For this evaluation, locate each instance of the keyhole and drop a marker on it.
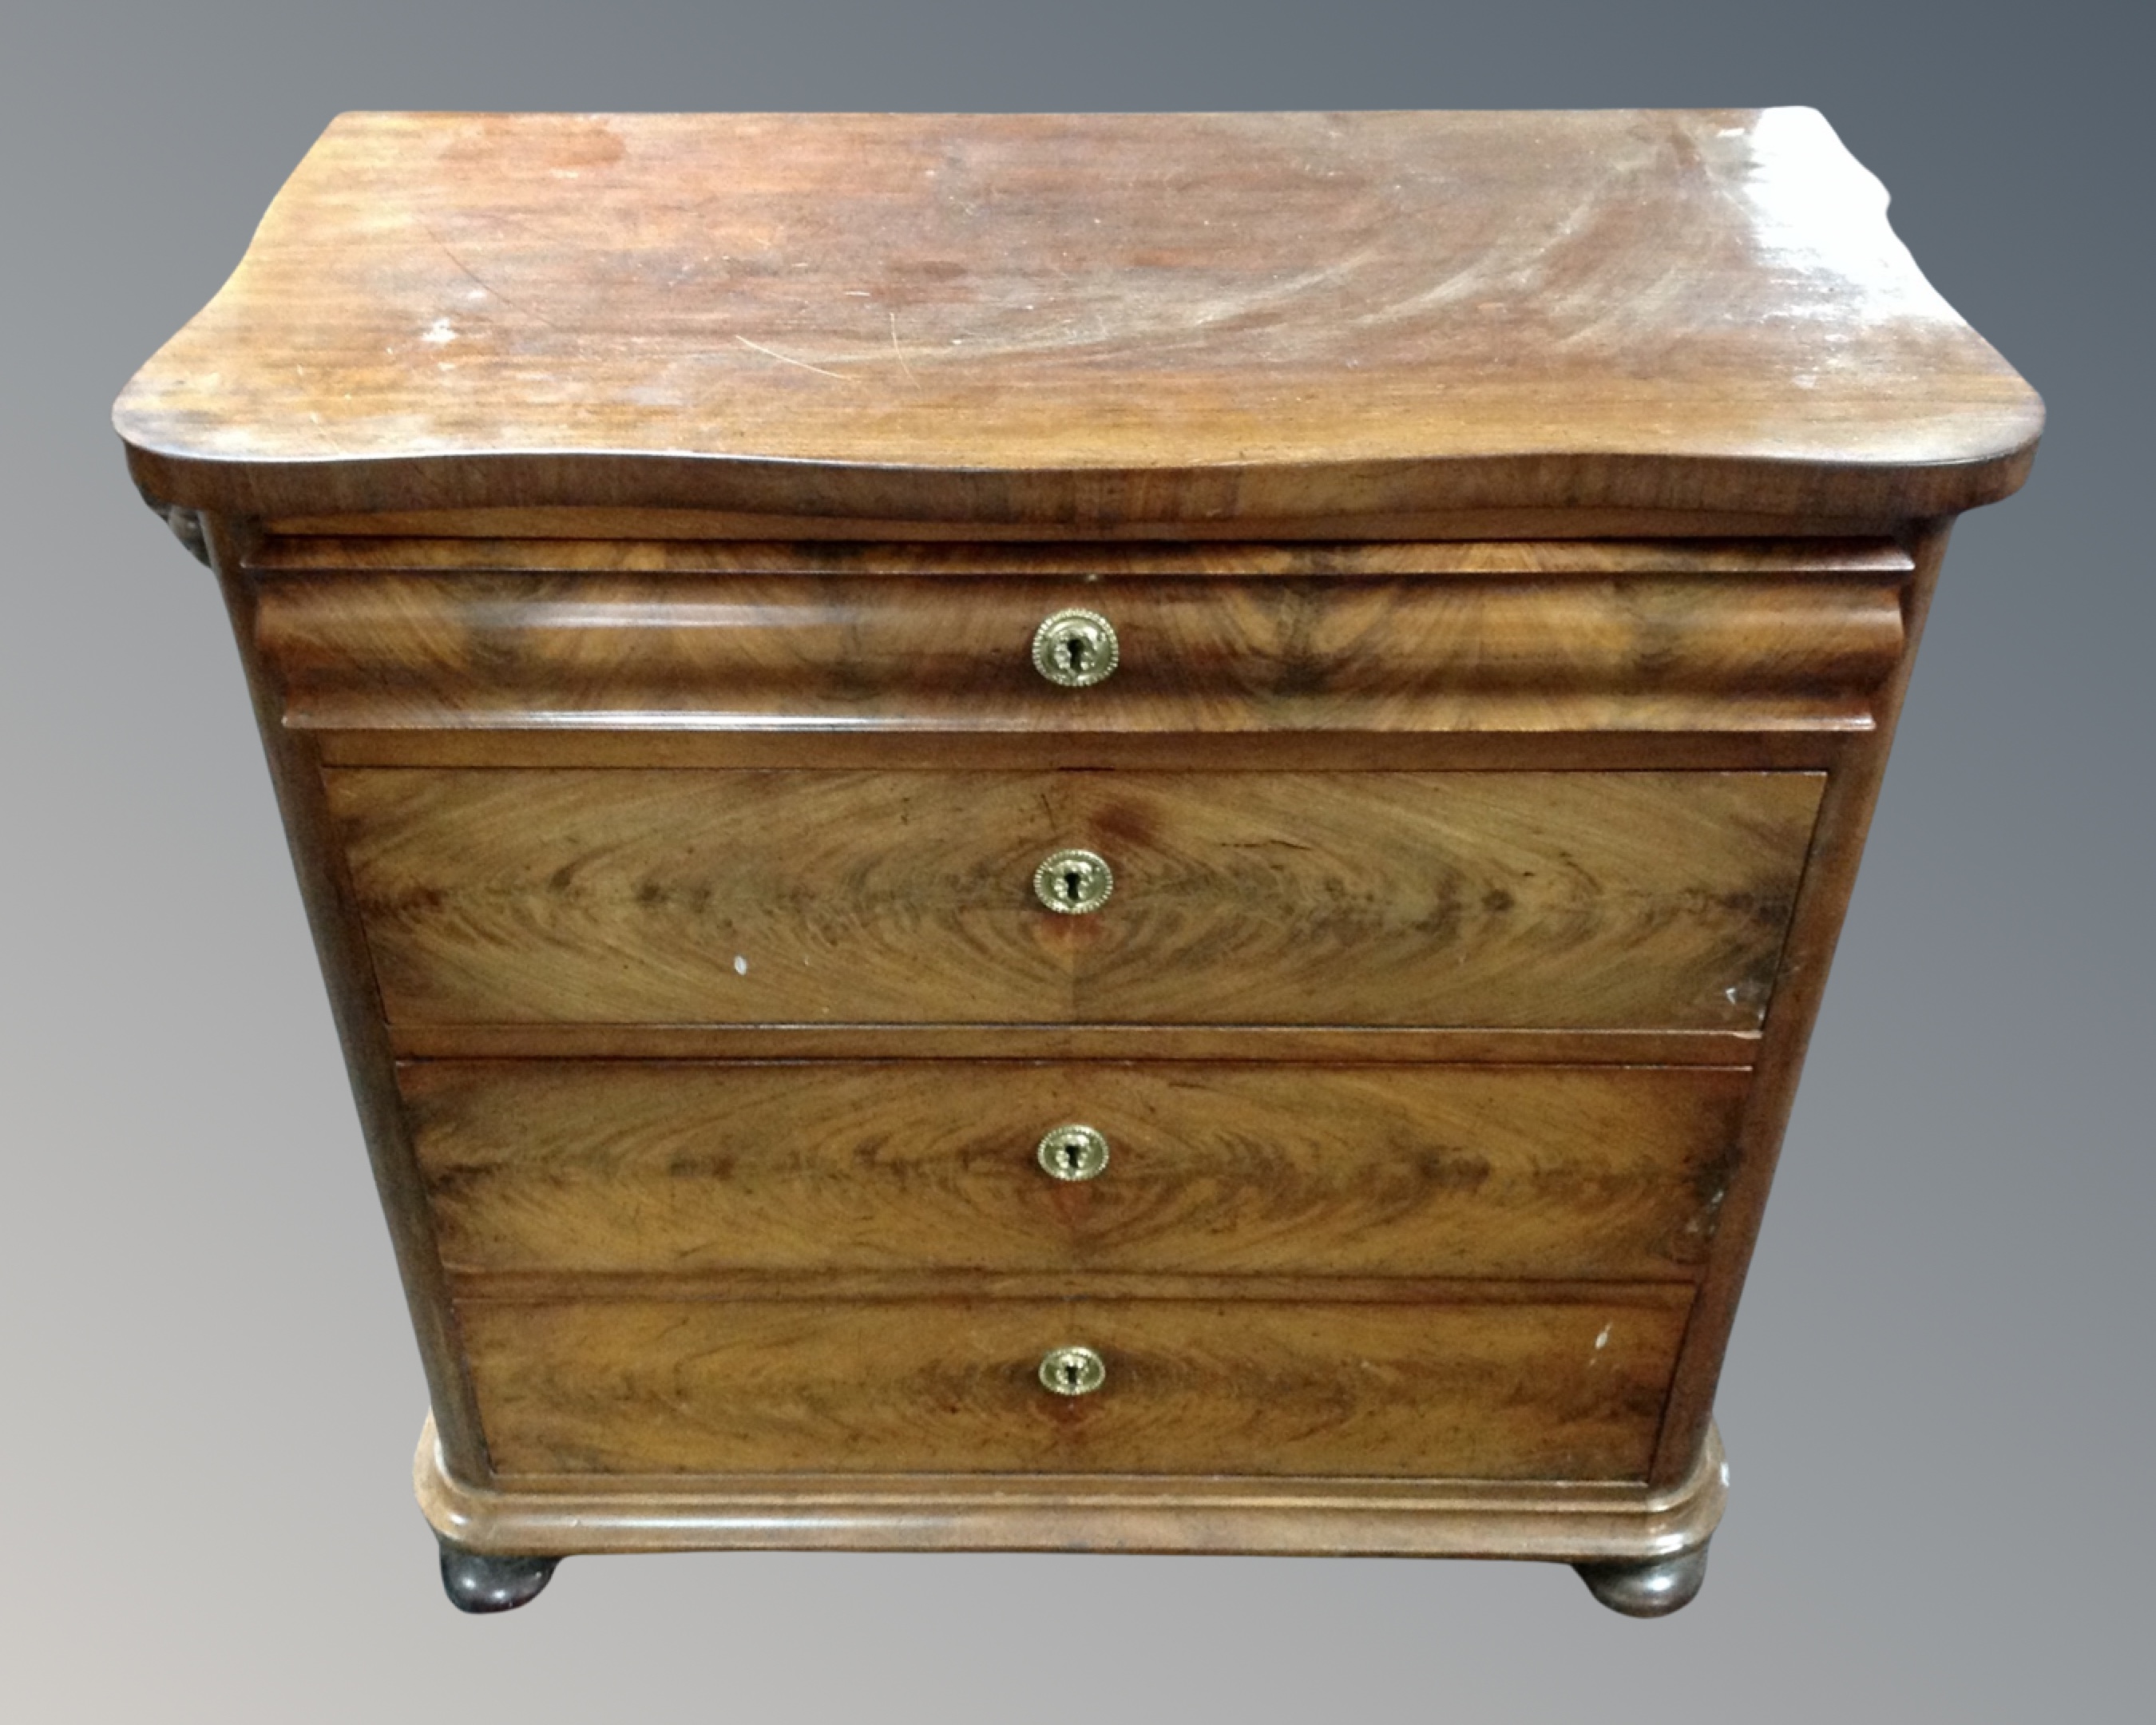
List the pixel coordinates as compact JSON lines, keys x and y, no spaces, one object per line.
{"x":1072,"y":882}
{"x":1071,"y":1371}
{"x":1071,"y":1152}
{"x":1076,"y":649}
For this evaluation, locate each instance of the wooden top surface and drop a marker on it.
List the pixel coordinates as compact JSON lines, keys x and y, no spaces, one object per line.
{"x":1080,"y":321}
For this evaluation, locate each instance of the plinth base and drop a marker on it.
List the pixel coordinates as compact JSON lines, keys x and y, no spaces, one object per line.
{"x":1640,"y":1551}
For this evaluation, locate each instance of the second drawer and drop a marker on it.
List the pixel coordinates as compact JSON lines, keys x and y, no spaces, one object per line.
{"x":670,"y":1168}
{"x":1590,"y":901}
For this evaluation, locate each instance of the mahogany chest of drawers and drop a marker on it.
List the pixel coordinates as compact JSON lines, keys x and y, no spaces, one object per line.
{"x":1108,"y":833}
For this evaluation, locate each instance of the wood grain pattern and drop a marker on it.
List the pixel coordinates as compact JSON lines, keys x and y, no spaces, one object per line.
{"x":1640,"y":901}
{"x":1079,"y":320}
{"x":1288,"y":531}
{"x":377,"y":649}
{"x":543,"y":1288}
{"x":1570,"y":1522}
{"x":547,"y":521}
{"x":377,"y":548}
{"x":1512,"y":1391}
{"x":1314,"y":1044}
{"x":1371,"y":1171}
{"x":1814,"y":748}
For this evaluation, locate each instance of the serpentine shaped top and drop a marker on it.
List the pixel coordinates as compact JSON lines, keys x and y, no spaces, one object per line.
{"x":1104,"y":322}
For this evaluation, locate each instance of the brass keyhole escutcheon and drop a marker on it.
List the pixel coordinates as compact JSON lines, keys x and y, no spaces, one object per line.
{"x":1072,"y":1152}
{"x":1076,"y":649}
{"x":1073,"y":1371}
{"x":1074,"y":881}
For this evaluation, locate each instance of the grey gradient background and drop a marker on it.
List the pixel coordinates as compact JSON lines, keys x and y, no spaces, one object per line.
{"x":1938,"y":1401}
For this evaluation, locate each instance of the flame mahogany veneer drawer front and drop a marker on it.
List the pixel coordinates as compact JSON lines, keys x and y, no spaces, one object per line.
{"x":1623,"y":900}
{"x":1518,"y":1386}
{"x":1544,"y":636}
{"x":606,"y":1166}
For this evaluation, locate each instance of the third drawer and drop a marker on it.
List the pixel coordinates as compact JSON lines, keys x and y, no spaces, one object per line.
{"x":695,"y":1169}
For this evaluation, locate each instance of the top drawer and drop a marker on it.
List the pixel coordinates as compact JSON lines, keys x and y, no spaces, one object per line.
{"x":1548,"y":638}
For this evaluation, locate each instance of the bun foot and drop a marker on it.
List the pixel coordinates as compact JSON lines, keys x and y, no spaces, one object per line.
{"x":477,"y":1583}
{"x":1651,"y":1590}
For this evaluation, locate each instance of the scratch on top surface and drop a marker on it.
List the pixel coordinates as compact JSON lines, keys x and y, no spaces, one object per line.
{"x":480,"y":281}
{"x":788,"y":359}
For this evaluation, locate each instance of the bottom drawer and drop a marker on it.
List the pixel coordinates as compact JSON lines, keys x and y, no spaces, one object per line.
{"x":1491,"y":1388}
